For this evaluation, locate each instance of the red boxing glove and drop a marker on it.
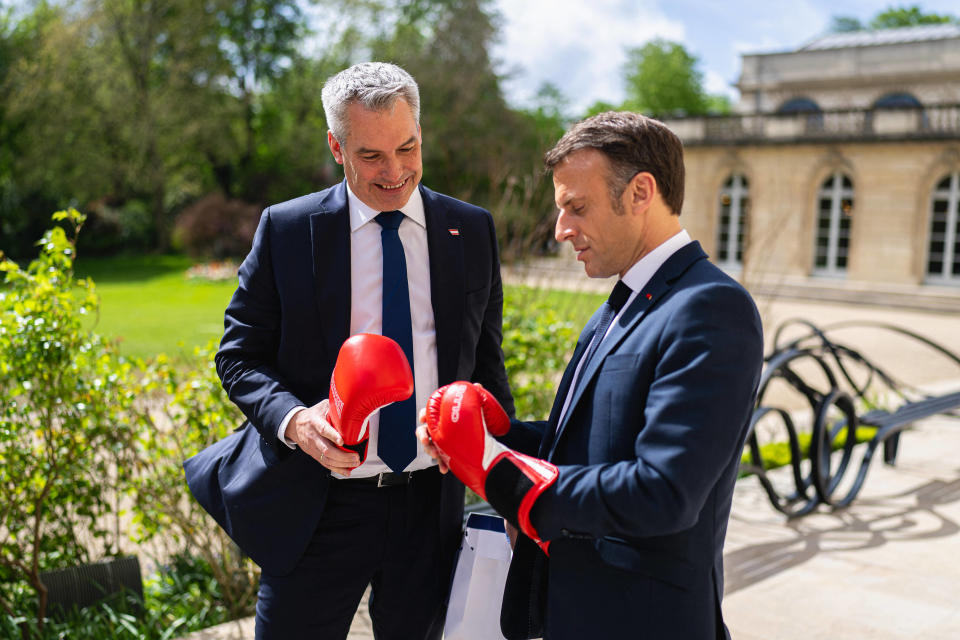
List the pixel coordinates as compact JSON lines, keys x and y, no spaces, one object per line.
{"x":371,"y":372}
{"x":510,"y":481}
{"x":494,"y":417}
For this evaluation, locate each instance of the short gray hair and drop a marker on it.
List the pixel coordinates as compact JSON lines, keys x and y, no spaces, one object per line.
{"x":375,"y":85}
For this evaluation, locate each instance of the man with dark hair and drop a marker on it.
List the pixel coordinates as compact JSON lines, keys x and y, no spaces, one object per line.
{"x":631,"y":486}
{"x":378,"y":253}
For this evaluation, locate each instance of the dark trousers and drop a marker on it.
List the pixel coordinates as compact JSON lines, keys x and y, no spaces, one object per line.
{"x":391,"y":538}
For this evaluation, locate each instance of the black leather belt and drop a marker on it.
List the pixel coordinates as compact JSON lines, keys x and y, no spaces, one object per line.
{"x":387,"y":479}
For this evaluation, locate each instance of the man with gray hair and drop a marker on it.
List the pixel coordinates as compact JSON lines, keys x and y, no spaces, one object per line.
{"x":378,"y":253}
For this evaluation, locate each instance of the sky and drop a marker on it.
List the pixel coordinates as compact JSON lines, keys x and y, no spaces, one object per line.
{"x":579,"y":46}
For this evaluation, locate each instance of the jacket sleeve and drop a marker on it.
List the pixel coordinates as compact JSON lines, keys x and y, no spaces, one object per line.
{"x":489,"y":370}
{"x":689,"y":431}
{"x":246,"y":360}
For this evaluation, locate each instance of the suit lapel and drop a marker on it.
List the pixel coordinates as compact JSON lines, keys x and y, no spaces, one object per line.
{"x":446,"y":282}
{"x":330,"y":239}
{"x":582,"y":343}
{"x":658,"y":286}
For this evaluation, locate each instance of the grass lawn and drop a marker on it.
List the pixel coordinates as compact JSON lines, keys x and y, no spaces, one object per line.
{"x":148,"y":303}
{"x":575,"y":306}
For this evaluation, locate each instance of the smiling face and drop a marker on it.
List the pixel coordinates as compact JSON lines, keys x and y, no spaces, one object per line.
{"x":604,"y":232}
{"x":381,"y":155}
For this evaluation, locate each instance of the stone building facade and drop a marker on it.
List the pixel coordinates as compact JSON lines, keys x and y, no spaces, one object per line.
{"x":838,"y":176}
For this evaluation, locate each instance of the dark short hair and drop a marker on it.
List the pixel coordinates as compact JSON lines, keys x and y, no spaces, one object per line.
{"x":633,"y":143}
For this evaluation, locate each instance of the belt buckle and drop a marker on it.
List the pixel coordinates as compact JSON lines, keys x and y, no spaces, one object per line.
{"x":393,"y":478}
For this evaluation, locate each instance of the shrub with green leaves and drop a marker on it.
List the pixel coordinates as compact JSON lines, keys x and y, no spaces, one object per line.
{"x":64,"y":402}
{"x":180,"y":597}
{"x":537,"y":342}
{"x":91,"y":444}
{"x":190,"y":411}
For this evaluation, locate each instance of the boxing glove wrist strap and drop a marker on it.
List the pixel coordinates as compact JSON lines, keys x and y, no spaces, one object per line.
{"x":513,"y":484}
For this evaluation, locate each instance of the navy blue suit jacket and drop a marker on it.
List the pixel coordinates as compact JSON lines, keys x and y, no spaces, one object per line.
{"x":283,"y":331}
{"x":648,"y":453}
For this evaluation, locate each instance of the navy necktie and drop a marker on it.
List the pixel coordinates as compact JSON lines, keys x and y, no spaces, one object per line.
{"x":396,"y":444}
{"x":608,"y":312}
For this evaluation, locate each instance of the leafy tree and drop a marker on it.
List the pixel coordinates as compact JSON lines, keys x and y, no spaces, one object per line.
{"x":719,"y":103}
{"x":890,"y":18}
{"x":292,"y":158}
{"x":22,"y":188}
{"x":128,"y":88}
{"x":662,"y":79}
{"x":550,"y":107}
{"x":166,"y":65}
{"x":259,"y":39}
{"x":85,"y":435}
{"x":599,"y":107}
{"x":845,"y":24}
{"x":907,"y":16}
{"x":475,"y":146}
{"x":146,"y":106}
{"x":160,"y":100}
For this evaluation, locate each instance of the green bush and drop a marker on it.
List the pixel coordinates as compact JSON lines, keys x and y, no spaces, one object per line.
{"x":90,"y":441}
{"x":777,"y":454}
{"x":190,"y":412}
{"x":180,"y":597}
{"x":65,"y":426}
{"x":537,"y":342}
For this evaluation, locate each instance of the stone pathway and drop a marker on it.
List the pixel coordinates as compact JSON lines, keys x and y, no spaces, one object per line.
{"x":886,"y":568}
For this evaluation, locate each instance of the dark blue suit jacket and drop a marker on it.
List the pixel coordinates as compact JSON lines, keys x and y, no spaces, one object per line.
{"x":283,"y":331}
{"x":648,"y":455}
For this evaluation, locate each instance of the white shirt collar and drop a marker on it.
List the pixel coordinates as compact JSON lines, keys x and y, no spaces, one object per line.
{"x":361,"y":214}
{"x":640,"y":273}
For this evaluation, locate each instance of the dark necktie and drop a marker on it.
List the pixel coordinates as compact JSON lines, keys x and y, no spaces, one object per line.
{"x":396,"y":444}
{"x":608,"y":312}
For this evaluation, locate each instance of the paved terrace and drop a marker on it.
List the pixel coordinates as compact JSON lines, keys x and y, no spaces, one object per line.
{"x":886,"y":568}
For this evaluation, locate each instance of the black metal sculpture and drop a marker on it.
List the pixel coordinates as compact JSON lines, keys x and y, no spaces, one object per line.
{"x":836,"y":381}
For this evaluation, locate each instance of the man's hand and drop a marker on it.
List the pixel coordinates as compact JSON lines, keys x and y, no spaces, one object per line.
{"x":512,"y":533}
{"x":495,"y":418}
{"x":310,"y":431}
{"x":371,"y":372}
{"x":461,"y":422}
{"x":424,"y":437}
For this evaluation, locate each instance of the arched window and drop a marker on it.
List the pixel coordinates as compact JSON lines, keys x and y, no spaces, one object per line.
{"x":804,"y":106}
{"x":897,"y":101}
{"x":903,"y":101}
{"x":734,"y":202}
{"x":834,"y":206}
{"x":799,"y":105}
{"x":943,"y":260}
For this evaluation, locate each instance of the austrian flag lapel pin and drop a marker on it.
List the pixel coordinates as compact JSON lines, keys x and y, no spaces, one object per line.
{"x":454,"y":232}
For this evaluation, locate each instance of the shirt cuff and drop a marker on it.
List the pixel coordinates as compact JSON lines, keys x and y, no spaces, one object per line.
{"x":282,"y":429}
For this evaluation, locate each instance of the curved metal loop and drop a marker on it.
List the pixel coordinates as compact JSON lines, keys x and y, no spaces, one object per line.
{"x":801,"y":501}
{"x":824,"y":436}
{"x":834,"y":414}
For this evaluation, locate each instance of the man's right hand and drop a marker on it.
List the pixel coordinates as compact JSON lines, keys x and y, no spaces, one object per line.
{"x":460,"y":421}
{"x":310,"y":430}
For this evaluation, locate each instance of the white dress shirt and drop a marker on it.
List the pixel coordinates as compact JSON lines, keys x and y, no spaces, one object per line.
{"x":636,"y":278}
{"x":366,"y":310}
